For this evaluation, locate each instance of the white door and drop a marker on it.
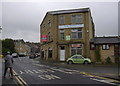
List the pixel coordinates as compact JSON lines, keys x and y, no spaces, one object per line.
{"x":62,"y":55}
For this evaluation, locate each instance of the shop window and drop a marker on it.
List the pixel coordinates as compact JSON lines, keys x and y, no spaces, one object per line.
{"x":61,"y":20}
{"x":42,"y":54}
{"x":50,"y":53}
{"x":73,"y":51}
{"x":79,"y":51}
{"x":61,"y":34}
{"x":76,"y":49}
{"x":105,"y":47}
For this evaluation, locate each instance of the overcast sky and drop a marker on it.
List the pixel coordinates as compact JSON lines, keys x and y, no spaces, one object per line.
{"x":21,"y":20}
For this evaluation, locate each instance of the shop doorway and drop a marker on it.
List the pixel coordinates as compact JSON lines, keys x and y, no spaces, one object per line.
{"x":62,"y":53}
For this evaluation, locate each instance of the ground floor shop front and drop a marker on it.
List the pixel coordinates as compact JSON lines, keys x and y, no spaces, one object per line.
{"x":61,"y":52}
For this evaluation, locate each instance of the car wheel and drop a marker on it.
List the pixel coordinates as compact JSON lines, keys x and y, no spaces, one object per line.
{"x":70,"y":62}
{"x":86,"y":62}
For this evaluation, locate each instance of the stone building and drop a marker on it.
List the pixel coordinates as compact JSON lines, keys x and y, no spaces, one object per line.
{"x":35,"y":47}
{"x":21,"y":47}
{"x":65,"y":33}
{"x":108,"y":47}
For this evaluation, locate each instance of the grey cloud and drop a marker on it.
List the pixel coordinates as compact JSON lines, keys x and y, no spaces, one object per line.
{"x":22,"y":19}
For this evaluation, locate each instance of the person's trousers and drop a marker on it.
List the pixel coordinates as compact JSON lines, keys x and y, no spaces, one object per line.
{"x":11,"y":71}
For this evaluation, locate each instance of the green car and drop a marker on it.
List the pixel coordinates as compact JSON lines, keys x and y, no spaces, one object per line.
{"x":78,"y":59}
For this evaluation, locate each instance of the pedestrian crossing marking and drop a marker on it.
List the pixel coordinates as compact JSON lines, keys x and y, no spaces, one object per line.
{"x":35,"y":71}
{"x":49,"y":70}
{"x":49,"y":77}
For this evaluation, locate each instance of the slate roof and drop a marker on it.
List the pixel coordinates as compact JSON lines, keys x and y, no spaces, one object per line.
{"x":69,"y":11}
{"x":105,"y":40}
{"x":80,"y":10}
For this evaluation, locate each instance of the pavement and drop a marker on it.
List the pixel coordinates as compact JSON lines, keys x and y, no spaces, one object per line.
{"x":115,"y":75}
{"x":7,"y":81}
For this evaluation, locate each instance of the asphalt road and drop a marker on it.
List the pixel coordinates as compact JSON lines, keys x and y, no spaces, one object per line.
{"x":37,"y":72}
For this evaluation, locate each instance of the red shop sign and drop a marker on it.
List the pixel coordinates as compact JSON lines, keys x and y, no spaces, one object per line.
{"x":76,"y":45}
{"x":44,"y":38}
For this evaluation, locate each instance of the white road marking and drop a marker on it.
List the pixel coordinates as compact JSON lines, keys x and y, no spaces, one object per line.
{"x":42,"y":77}
{"x":104,"y":81}
{"x":21,"y":72}
{"x":61,"y":71}
{"x":64,"y":70}
{"x":28,"y":71}
{"x":42,"y":71}
{"x":49,"y":77}
{"x":50,"y":70}
{"x":55,"y":76}
{"x":70,"y":70}
{"x":39,"y":65}
{"x":35,"y":71}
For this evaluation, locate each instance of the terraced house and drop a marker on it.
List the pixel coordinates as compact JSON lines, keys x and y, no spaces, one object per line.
{"x":107,"y":47}
{"x":65,"y":33}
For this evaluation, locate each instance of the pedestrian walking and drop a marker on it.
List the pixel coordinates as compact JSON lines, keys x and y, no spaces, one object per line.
{"x":8,"y":64}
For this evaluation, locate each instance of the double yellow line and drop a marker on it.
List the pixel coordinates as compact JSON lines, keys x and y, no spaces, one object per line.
{"x":84,"y":73}
{"x":19,"y":79}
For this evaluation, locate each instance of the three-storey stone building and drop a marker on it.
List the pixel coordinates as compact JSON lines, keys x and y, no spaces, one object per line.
{"x":65,"y":33}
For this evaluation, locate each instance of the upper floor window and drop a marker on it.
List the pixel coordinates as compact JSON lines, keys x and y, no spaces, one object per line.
{"x":76,"y":33}
{"x":73,"y":17}
{"x":76,"y":19}
{"x":79,"y":33}
{"x":49,"y":23}
{"x":61,"y":20}
{"x":43,"y":25}
{"x":105,"y":47}
{"x":61,"y":34}
{"x":49,"y":36}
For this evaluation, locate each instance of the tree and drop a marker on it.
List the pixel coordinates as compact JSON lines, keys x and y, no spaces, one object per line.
{"x":8,"y":45}
{"x":97,"y":53}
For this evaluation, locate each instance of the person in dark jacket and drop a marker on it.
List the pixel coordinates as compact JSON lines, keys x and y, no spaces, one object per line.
{"x":8,"y":64}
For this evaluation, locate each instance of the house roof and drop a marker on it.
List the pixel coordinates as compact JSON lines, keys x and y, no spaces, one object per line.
{"x":81,"y":10}
{"x":69,"y":11}
{"x":105,"y":40}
